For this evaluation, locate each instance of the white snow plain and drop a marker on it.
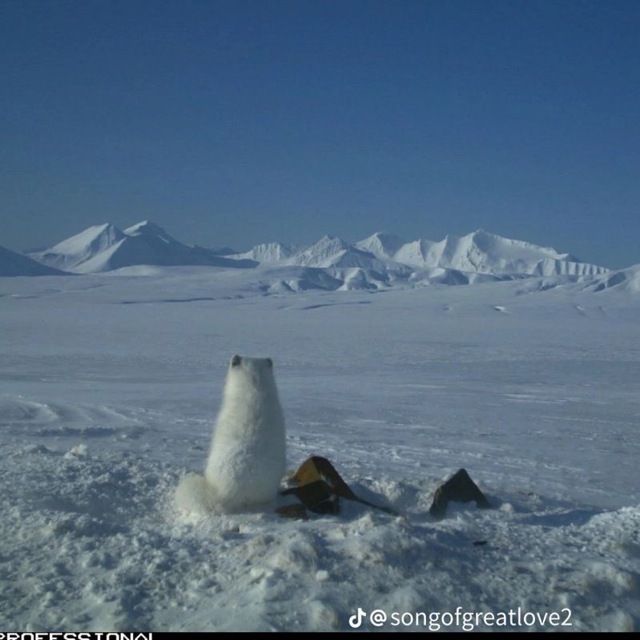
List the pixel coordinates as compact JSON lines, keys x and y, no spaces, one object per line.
{"x":110,"y":385}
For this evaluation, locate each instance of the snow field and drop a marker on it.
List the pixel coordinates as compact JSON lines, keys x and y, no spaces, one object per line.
{"x":110,"y":385}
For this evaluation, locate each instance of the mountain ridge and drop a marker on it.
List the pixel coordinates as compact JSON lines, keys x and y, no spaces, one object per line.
{"x":478,"y":252}
{"x":380,"y":261}
{"x":105,"y":247}
{"x":17,"y":264}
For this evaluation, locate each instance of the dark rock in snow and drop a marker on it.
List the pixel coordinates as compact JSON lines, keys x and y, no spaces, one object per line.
{"x":459,"y":488}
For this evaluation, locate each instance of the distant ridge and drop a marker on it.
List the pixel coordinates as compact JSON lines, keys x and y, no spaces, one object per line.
{"x":479,"y":252}
{"x":380,"y":261}
{"x":105,"y":248}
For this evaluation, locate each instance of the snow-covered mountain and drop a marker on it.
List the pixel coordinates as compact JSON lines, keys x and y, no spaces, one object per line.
{"x":384,"y":259}
{"x":478,"y":252}
{"x":105,"y":247}
{"x":380,"y":261}
{"x":267,"y":252}
{"x":17,"y":264}
{"x":326,"y":253}
{"x":77,"y":250}
{"x":382,"y":245}
{"x":330,"y":252}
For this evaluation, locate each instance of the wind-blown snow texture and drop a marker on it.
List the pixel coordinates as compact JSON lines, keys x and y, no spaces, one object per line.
{"x":111,"y":384}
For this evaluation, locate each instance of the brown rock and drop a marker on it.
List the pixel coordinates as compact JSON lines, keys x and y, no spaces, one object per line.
{"x":319,"y":488}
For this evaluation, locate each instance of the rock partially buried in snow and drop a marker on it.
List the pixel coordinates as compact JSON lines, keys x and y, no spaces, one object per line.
{"x":459,"y":488}
{"x":319,"y":487}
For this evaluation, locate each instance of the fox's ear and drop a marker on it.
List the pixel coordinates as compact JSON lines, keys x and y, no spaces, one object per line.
{"x":236,"y":360}
{"x":270,"y":362}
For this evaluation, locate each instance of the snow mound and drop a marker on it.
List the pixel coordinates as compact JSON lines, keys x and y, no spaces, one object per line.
{"x":357,"y":279}
{"x":123,"y":557}
{"x":297,"y":279}
{"x":623,"y":280}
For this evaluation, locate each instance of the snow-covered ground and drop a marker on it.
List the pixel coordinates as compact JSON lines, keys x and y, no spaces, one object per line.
{"x":110,"y":385}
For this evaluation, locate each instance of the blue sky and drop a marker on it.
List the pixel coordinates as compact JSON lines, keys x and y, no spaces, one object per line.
{"x":241,"y":121}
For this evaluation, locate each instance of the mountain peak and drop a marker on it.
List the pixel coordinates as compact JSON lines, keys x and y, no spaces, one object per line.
{"x":328,"y":238}
{"x":105,"y":247}
{"x":381,"y":244}
{"x":80,"y":247}
{"x":146,"y":227}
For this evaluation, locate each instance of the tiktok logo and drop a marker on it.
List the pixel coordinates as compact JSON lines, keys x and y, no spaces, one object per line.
{"x":356,"y":620}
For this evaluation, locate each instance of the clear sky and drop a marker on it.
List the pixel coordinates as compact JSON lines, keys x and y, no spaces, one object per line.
{"x":244,"y":121}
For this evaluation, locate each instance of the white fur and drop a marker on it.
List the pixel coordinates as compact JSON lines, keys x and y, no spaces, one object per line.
{"x":248,"y":451}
